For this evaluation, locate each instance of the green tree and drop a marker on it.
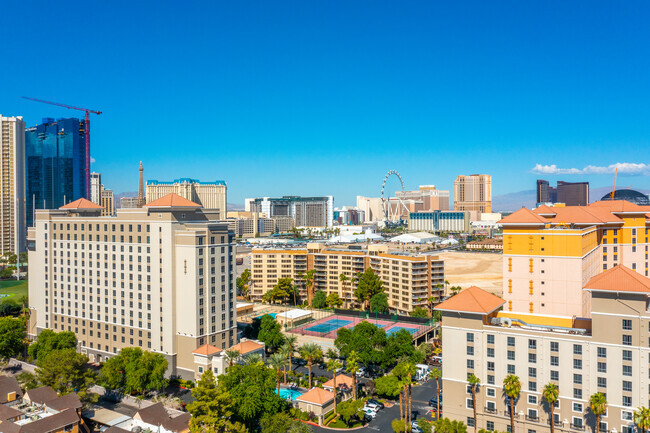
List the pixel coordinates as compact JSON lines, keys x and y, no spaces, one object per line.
{"x":436,"y":374}
{"x":379,"y":303}
{"x":425,"y":426}
{"x":66,"y":371}
{"x":399,"y":425}
{"x":352,"y":367}
{"x":281,"y":291}
{"x":388,"y":386}
{"x":419,"y":312}
{"x":333,"y":300}
{"x":49,"y":340}
{"x":276,"y":362}
{"x":243,"y":283}
{"x":642,"y":418}
{"x":474,"y":383}
{"x":405,"y":372}
{"x":444,"y":425}
{"x":135,"y":371}
{"x":367,"y":339}
{"x":598,"y":406}
{"x":282,"y":423}
{"x":253,"y":358}
{"x":333,"y":365}
{"x":308,"y":278}
{"x":27,"y":380}
{"x":310,"y":352}
{"x":320,"y":300}
{"x":232,"y":355}
{"x":512,"y":388}
{"x":270,"y":332}
{"x":212,"y":408}
{"x":550,"y":393}
{"x":12,"y":336}
{"x":399,"y":345}
{"x":349,"y":410}
{"x":368,"y":285}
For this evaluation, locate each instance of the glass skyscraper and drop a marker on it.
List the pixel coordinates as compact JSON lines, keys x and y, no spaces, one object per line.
{"x":55,"y":158}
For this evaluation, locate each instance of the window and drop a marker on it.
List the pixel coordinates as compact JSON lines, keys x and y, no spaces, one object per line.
{"x":555,"y":361}
{"x":490,"y":338}
{"x":602,"y":352}
{"x":470,"y":337}
{"x":627,"y":324}
{"x":532,"y":386}
{"x":532,"y":372}
{"x":469,"y":404}
{"x":602,"y":382}
{"x":627,"y":355}
{"x":577,"y":407}
{"x":511,"y":341}
{"x":577,"y":364}
{"x":627,"y":386}
{"x":577,"y":379}
{"x":490,"y":366}
{"x":489,"y":425}
{"x":511,"y":355}
{"x":490,"y":352}
{"x":470,"y":421}
{"x":555,"y":346}
{"x":577,"y":349}
{"x":555,"y":375}
{"x":532,"y":414}
{"x":577,"y":393}
{"x":470,"y":350}
{"x":490,"y":392}
{"x":627,"y":401}
{"x":627,"y":340}
{"x":490,"y":379}
{"x":532,"y":344}
{"x":532,"y":399}
{"x":626,"y":416}
{"x":602,"y":367}
{"x":577,"y":422}
{"x":511,"y":369}
{"x":532,"y":358}
{"x":470,"y":363}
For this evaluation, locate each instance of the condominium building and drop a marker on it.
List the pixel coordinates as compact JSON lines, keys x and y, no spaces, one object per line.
{"x":107,"y":202}
{"x":210,"y":195}
{"x":158,"y":277}
{"x":473,"y":193}
{"x":259,"y":226}
{"x":440,"y":221}
{"x":569,"y":193}
{"x":551,"y":252}
{"x":306,"y":211}
{"x":409,"y":279}
{"x":608,"y":353}
{"x":55,"y":153}
{"x":95,"y":187}
{"x":12,"y":193}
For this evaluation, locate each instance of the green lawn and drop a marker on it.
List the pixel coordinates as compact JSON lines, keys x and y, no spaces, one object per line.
{"x":14,"y":288}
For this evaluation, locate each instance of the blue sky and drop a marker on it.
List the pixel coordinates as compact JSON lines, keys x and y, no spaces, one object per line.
{"x":324,"y":97}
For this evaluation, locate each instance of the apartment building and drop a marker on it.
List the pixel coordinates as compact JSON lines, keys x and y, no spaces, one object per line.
{"x":159,"y":277}
{"x":306,"y":211}
{"x":551,"y":252}
{"x":210,"y":195}
{"x":244,"y":227}
{"x":12,"y":193}
{"x":440,"y":221}
{"x":409,"y":279}
{"x":473,"y":193}
{"x":608,"y":353}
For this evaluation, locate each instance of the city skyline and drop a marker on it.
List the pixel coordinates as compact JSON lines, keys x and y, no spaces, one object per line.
{"x":360,"y":91}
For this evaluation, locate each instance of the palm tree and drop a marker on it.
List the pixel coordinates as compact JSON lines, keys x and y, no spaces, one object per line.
{"x":308,"y":277}
{"x":437,"y":374}
{"x":286,"y":353}
{"x":232,"y":355}
{"x":598,"y":406}
{"x":641,"y":417}
{"x":474,"y":382}
{"x":411,"y":371}
{"x":551,"y":394}
{"x":353,"y":365}
{"x":333,"y":365}
{"x":310,"y":352}
{"x":291,"y":341}
{"x":276,"y":362}
{"x":252,"y":359}
{"x":343,"y":279}
{"x":512,"y":388}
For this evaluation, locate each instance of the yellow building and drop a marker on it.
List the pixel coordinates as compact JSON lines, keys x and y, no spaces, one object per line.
{"x":551,"y":252}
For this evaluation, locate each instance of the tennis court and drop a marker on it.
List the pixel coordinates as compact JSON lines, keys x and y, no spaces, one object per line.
{"x":328,"y":327}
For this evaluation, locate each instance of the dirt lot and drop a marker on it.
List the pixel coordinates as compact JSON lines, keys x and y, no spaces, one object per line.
{"x":474,"y":269}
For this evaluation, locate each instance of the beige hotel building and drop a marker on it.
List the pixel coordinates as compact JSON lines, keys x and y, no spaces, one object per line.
{"x":409,"y":279}
{"x":159,"y":277}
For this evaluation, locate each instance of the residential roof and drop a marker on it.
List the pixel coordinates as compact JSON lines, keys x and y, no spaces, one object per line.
{"x":116,"y":430}
{"x":172,"y":200}
{"x":207,"y":350}
{"x":157,"y":415}
{"x":69,"y":401}
{"x":342,"y":381}
{"x":620,"y":206}
{"x":579,"y":215}
{"x":523,"y":216}
{"x":7,"y":412}
{"x":41,"y":395}
{"x":9,"y":384}
{"x":247,"y":346}
{"x":317,"y":396}
{"x":53,"y":422}
{"x":472,"y":300}
{"x":294,"y":314}
{"x":619,"y":279}
{"x":81,"y":203}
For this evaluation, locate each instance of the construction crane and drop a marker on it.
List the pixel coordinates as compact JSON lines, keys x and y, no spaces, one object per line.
{"x":87,"y":132}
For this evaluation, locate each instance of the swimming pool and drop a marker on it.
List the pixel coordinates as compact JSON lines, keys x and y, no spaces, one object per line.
{"x":288,"y":394}
{"x":330,"y":325}
{"x":394,"y":329}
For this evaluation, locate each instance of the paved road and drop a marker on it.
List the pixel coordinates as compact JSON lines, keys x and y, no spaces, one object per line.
{"x":382,"y":423}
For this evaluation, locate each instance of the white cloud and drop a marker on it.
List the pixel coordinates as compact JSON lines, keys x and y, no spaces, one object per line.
{"x":628,"y":168}
{"x":92,"y":160}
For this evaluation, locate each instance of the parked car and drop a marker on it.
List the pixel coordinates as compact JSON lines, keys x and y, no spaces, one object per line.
{"x":372,"y":406}
{"x":436,"y":401}
{"x":437,"y":359}
{"x":366,"y":418}
{"x":361,"y":372}
{"x":372,"y":413}
{"x":375,"y":402}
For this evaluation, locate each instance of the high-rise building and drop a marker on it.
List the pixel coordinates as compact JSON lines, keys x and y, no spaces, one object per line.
{"x":95,"y":187}
{"x":12,"y":193}
{"x":440,"y":221}
{"x":409,"y":279}
{"x":128,"y":202}
{"x":159,"y":277}
{"x":569,"y":193}
{"x":372,"y":207}
{"x":210,"y":195}
{"x":56,"y":162}
{"x":549,"y":253}
{"x":107,"y":202}
{"x":473,"y":193}
{"x":307,"y":211}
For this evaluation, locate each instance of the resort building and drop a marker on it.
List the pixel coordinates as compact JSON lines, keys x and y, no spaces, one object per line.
{"x":210,"y":195}
{"x":473,"y":193}
{"x":608,"y":353}
{"x":159,"y":277}
{"x":209,"y":357}
{"x":409,"y":279}
{"x":12,"y":193}
{"x":549,"y":253}
{"x":440,"y":221}
{"x":306,"y":211}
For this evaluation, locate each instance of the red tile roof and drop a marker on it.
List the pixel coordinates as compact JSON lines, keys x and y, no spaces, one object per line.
{"x":81,"y":203}
{"x":207,"y":350}
{"x":618,"y":206}
{"x":172,"y":200}
{"x":246,"y":347}
{"x":524,"y":216}
{"x":342,"y":381}
{"x":472,"y":300}
{"x":317,"y":396}
{"x":619,"y":279}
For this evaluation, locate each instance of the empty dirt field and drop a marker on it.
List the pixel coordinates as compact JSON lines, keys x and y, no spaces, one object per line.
{"x":474,"y":269}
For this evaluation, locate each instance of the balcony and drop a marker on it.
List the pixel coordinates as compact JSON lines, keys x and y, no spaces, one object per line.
{"x":579,"y":427}
{"x":491,"y":410}
{"x":532,"y":418}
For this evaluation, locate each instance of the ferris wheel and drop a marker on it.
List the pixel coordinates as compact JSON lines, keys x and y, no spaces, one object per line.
{"x":393,"y":211}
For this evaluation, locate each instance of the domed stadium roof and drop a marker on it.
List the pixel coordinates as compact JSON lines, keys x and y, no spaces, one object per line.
{"x":630,"y":195}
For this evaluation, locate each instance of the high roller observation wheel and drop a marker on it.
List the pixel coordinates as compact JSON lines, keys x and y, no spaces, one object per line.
{"x":385,"y":201}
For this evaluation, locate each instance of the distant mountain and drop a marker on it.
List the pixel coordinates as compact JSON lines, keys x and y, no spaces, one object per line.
{"x":513,"y":201}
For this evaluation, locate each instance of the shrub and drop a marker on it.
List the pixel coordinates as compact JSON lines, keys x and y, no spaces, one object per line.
{"x":398,"y":426}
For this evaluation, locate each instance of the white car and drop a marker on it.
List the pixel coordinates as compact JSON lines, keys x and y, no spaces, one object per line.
{"x":372,"y":413}
{"x":372,"y":406}
{"x":360,"y":372}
